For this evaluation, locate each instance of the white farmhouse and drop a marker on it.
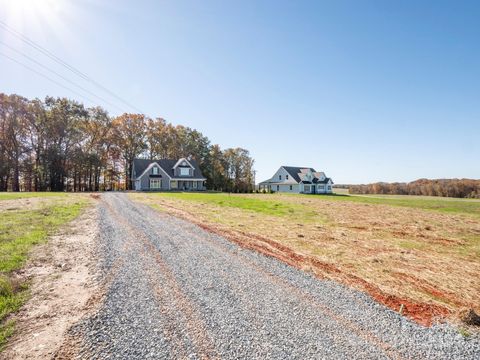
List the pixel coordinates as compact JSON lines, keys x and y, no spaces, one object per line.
{"x":300,"y":180}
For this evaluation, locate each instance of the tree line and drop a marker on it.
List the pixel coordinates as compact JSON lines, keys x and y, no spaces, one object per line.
{"x":459,"y":188}
{"x":58,"y":144}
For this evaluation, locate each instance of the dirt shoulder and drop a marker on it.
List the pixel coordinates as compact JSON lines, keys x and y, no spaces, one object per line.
{"x":61,"y":272}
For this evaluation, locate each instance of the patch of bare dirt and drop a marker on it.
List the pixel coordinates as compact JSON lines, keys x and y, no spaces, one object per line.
{"x":24,"y":203}
{"x":62,"y":282}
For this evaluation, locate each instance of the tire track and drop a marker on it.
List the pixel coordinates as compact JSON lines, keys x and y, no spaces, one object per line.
{"x":175,"y":296}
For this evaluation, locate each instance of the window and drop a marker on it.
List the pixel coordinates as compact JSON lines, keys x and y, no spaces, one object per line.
{"x":279,"y":177}
{"x":155,"y":170}
{"x":155,"y":183}
{"x":329,"y":188}
{"x":306,"y":188}
{"x":290,"y":186}
{"x":173,"y":184}
{"x":278,"y":187}
{"x":286,"y":177}
{"x":184,"y":171}
{"x":321,"y":187}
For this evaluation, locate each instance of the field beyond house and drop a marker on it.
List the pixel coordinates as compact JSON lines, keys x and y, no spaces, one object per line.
{"x":420,"y":254}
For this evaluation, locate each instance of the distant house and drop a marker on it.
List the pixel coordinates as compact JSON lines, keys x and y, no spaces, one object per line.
{"x":292,"y":179}
{"x":167,"y":174}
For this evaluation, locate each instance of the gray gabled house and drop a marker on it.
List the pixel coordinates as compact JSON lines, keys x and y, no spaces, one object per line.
{"x":167,"y":174}
{"x":294,"y":179}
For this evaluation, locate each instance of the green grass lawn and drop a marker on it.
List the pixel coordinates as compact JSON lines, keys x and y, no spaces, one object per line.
{"x":19,"y":231}
{"x":268,"y":206}
{"x":274,"y":204}
{"x":446,"y":205}
{"x":22,"y":195}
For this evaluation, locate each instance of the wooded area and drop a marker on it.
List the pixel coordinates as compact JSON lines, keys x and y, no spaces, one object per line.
{"x":459,"y":188}
{"x":60,"y":145}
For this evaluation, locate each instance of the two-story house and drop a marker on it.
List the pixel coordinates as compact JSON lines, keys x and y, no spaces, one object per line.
{"x":300,"y":180}
{"x":167,"y":174}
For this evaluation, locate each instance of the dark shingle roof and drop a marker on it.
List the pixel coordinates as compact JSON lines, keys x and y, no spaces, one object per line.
{"x":294,"y":170}
{"x":324,"y":181}
{"x":167,"y":165}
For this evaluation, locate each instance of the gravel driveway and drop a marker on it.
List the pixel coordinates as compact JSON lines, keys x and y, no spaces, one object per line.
{"x":175,"y":291}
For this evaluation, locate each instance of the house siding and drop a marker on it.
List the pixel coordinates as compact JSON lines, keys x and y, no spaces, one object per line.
{"x":283,"y":173}
{"x":286,"y":188}
{"x":145,"y":179}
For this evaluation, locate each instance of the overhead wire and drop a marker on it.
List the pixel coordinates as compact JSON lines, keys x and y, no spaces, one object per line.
{"x":63,"y":63}
{"x":61,"y":76}
{"x":46,"y":77}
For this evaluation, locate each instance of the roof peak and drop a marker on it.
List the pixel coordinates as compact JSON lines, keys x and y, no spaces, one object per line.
{"x":174,"y":160}
{"x":297,"y":167}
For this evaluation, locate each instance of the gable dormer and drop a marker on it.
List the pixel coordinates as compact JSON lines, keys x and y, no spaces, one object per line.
{"x":155,"y":170}
{"x":183,"y":168}
{"x":320,"y":175}
{"x":307,"y":175}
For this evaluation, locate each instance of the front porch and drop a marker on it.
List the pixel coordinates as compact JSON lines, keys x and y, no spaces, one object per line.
{"x":187,"y":185}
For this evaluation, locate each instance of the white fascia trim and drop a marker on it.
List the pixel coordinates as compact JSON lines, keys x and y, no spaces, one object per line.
{"x":265,"y":182}
{"x":183,"y":159}
{"x":187,"y":179}
{"x":150,"y":166}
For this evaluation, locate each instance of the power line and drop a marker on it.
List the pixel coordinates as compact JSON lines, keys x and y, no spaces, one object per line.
{"x":46,"y":77}
{"x":61,"y":76}
{"x":64,"y":63}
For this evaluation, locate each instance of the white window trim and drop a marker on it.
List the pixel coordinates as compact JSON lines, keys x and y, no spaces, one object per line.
{"x":157,"y":181}
{"x":184,"y":168}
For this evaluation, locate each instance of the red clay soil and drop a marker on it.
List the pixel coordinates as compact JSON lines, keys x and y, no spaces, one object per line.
{"x":422,"y":313}
{"x":432,"y":290}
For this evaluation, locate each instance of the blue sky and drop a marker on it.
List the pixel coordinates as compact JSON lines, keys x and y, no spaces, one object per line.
{"x":363,"y":90}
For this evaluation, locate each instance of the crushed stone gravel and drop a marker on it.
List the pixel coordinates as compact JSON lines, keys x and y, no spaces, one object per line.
{"x":176,"y":291}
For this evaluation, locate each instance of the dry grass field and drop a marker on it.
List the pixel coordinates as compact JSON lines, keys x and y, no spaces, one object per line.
{"x":422,"y":253}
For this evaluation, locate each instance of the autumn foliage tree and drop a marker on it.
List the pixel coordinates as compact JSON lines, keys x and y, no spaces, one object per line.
{"x":129,"y":136}
{"x":460,"y":188}
{"x":59,"y":145}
